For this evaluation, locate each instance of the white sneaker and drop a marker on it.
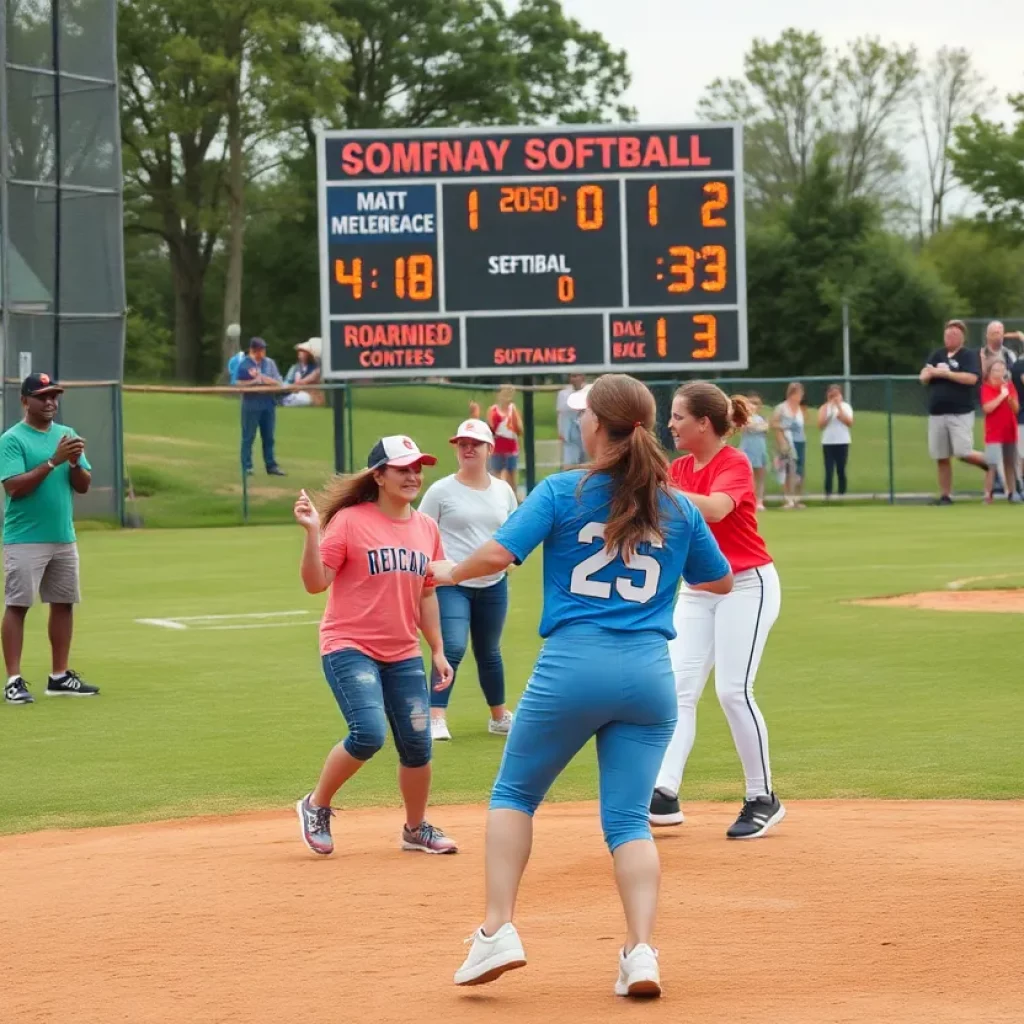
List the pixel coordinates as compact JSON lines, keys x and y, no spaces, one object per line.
{"x":638,"y":973}
{"x":439,"y":729}
{"x":500,"y":726}
{"x":491,"y":956}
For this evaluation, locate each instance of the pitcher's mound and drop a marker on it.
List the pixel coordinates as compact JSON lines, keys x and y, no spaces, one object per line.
{"x":954,"y":601}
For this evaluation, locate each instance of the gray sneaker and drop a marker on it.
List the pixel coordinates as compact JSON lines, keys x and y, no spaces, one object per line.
{"x":315,"y":823}
{"x":17,"y":692}
{"x":427,"y":839}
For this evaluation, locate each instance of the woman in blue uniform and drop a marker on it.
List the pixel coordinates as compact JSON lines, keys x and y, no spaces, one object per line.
{"x":616,"y":541}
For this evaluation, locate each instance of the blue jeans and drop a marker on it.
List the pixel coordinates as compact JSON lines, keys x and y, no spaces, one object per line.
{"x":258,"y":417}
{"x":372,"y":694}
{"x":478,"y":613}
{"x":589,"y":682}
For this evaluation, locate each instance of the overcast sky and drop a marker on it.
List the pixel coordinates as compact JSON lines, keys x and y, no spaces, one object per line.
{"x":676,"y":47}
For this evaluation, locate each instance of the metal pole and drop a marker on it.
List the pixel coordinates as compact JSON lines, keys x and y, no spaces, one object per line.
{"x":350,"y":408}
{"x":338,"y":405}
{"x":846,"y":349}
{"x":888,"y":415}
{"x":529,"y":436}
{"x":58,"y":160}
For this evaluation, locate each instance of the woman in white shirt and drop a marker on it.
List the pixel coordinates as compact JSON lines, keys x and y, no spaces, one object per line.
{"x":835,"y":418}
{"x":468,"y":507}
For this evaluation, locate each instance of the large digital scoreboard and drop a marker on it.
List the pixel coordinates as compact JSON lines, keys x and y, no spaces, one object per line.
{"x":512,"y":251}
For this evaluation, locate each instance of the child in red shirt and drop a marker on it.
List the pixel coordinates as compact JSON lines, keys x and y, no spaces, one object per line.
{"x":999,"y":403}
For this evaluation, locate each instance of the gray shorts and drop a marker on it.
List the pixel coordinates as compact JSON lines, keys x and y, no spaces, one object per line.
{"x":49,"y":570}
{"x":951,"y":436}
{"x":996,"y":454}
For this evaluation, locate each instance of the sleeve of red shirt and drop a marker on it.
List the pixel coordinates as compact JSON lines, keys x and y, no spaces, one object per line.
{"x":736,"y":479}
{"x":988,"y":393}
{"x":334,"y":542}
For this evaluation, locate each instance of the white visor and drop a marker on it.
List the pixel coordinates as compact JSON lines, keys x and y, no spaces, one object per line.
{"x":578,"y":399}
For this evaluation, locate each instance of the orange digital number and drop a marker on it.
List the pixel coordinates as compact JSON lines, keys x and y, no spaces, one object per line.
{"x":532,"y":199}
{"x":354,"y":279}
{"x":684,"y":270}
{"x":590,"y":207}
{"x":708,"y":337}
{"x":566,"y":288}
{"x":720,"y":193}
{"x":652,"y":206}
{"x":415,"y":276}
{"x":715,"y":258}
{"x":473,"y":207}
{"x":661,"y":336}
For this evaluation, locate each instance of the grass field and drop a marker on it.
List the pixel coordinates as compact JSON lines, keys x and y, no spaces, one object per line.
{"x":182,"y":450}
{"x":860,"y":701}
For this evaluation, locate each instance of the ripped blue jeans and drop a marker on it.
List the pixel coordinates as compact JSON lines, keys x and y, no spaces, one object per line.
{"x":373,"y":694}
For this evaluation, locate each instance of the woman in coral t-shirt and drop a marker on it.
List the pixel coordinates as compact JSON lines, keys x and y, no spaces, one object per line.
{"x":503,"y":419}
{"x":726,"y":632}
{"x":371,"y":549}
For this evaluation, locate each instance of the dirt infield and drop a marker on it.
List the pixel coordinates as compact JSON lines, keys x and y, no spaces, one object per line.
{"x":851,"y":912}
{"x":954,"y":601}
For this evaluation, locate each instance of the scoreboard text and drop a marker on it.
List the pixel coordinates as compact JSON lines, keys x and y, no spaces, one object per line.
{"x":512,"y":251}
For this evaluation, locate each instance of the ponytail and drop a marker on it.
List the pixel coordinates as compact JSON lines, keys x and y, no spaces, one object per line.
{"x":343,"y":492}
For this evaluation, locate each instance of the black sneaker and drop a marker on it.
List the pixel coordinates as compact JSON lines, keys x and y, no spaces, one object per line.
{"x":71,"y":684}
{"x":276,"y":471}
{"x":16,"y":692}
{"x":945,"y":499}
{"x":665,"y":809}
{"x":758,"y":815}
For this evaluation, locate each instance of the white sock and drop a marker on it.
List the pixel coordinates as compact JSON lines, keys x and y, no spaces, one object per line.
{"x":11,"y":679}
{"x":58,"y":677}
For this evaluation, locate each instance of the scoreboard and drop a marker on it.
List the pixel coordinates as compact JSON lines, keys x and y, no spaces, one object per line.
{"x":512,"y":251}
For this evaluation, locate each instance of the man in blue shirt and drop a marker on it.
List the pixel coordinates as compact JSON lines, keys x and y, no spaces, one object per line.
{"x":259,"y":411}
{"x":617,"y":539}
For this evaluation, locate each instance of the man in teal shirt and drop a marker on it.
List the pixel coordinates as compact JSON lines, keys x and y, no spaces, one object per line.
{"x":41,"y":464}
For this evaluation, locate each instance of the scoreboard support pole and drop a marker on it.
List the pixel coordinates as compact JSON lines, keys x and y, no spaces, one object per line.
{"x":338,"y":396}
{"x":529,"y":435}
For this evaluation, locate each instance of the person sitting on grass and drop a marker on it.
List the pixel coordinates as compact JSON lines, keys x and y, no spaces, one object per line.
{"x":999,"y":403}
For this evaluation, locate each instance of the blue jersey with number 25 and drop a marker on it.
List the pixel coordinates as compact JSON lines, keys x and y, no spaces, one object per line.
{"x":582,"y":582}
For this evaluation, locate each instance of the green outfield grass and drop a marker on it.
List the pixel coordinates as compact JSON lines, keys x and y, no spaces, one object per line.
{"x":861,"y":702}
{"x":182,"y":450}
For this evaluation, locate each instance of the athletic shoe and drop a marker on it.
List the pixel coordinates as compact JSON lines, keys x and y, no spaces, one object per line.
{"x":638,"y":973}
{"x":665,"y":809}
{"x":427,"y":839}
{"x":945,"y":499}
{"x":490,"y":956}
{"x":439,"y":729}
{"x":1015,"y":498}
{"x":758,"y":815}
{"x":315,"y":823}
{"x":501,"y":726}
{"x":71,"y":684}
{"x":17,"y":692}
{"x":276,"y":471}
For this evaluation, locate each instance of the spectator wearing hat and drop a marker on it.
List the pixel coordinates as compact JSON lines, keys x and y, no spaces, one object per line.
{"x":42,"y":463}
{"x":259,"y":411}
{"x":469,"y":506}
{"x":305,"y":371}
{"x":951,"y":376}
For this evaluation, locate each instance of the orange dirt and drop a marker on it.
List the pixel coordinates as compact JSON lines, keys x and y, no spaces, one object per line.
{"x":954,"y":601}
{"x":852,"y":911}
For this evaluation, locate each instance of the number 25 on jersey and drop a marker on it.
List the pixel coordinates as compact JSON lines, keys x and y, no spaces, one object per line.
{"x":583,"y":585}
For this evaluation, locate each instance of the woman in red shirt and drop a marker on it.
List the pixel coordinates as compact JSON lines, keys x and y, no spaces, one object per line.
{"x":726,"y":632}
{"x":999,"y":403}
{"x":371,"y":550}
{"x":503,"y":419}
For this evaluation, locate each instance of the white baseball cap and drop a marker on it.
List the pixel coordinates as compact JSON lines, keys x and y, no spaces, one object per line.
{"x":397,"y":450}
{"x":473,"y":430}
{"x":578,"y":399}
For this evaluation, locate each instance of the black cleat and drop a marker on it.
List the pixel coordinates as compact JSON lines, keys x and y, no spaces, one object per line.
{"x":71,"y":684}
{"x":16,"y":692}
{"x":665,"y":809}
{"x":758,"y":815}
{"x":276,"y":471}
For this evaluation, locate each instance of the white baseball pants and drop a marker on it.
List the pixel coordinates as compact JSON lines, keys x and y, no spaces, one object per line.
{"x":727,"y":633}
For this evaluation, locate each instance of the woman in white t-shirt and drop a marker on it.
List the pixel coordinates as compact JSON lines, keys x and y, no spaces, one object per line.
{"x":835,"y":418}
{"x":468,"y":507}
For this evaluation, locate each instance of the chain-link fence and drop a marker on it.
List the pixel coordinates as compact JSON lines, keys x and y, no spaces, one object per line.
{"x":182,"y":447}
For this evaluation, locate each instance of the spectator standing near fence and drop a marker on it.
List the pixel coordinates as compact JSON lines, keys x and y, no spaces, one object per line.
{"x":306,"y":370}
{"x":42,"y":464}
{"x":259,"y":411}
{"x":835,"y":418}
{"x":469,"y":507}
{"x":569,"y":423}
{"x":951,"y":376}
{"x":371,"y":550}
{"x":754,"y":444}
{"x":791,"y":442}
{"x":1017,"y":379}
{"x":507,"y":427}
{"x":1000,"y":405}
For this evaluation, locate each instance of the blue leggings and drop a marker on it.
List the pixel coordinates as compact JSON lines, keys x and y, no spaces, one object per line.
{"x":589,"y":682}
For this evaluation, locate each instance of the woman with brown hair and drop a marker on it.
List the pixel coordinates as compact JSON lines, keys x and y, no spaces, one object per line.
{"x":372,"y":551}
{"x":616,"y":541}
{"x":507,"y":426}
{"x":791,"y":441}
{"x":725,"y":632}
